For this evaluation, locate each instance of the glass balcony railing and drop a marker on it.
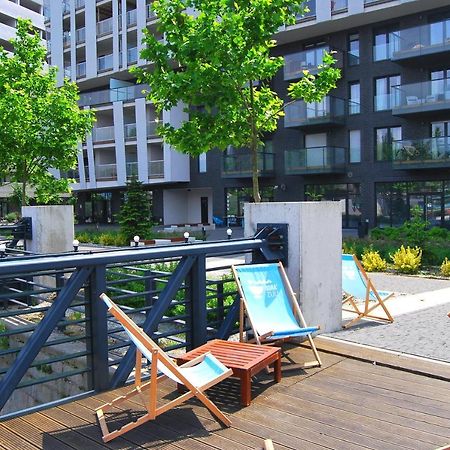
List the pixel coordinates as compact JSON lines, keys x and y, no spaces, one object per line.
{"x":152,"y":125}
{"x":330,"y":111}
{"x":105,"y":27}
{"x":66,"y":38}
{"x":423,"y":40}
{"x":311,"y":5}
{"x":425,"y":97}
{"x":132,"y":55}
{"x":156,"y":169}
{"x":80,"y":4}
{"x":338,"y":6}
{"x":80,"y":35}
{"x":315,"y":160}
{"x":126,"y":93}
{"x":239,"y":164}
{"x":66,"y":7}
{"x":130,"y":131}
{"x":81,"y":69}
{"x":72,"y":173}
{"x":105,"y":63}
{"x":132,"y":169}
{"x":151,"y":14}
{"x":103,"y":134}
{"x":86,"y":173}
{"x":296,"y":63}
{"x":385,"y":51}
{"x":105,"y":172}
{"x":68,"y":71}
{"x":421,"y":153}
{"x":131,"y":17}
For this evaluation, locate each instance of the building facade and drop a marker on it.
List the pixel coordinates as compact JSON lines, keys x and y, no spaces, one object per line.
{"x":379,"y":143}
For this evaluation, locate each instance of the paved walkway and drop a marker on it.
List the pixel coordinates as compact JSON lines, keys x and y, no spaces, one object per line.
{"x":421,"y":325}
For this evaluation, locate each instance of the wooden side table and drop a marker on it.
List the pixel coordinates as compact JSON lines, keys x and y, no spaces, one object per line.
{"x":245,"y":360}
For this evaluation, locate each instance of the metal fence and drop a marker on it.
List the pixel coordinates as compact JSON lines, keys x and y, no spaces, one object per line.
{"x":56,"y":340}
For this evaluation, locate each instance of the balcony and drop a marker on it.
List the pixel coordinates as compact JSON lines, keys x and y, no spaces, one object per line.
{"x":81,"y":69}
{"x":103,"y":134}
{"x":71,"y":174}
{"x":105,"y":172}
{"x":338,"y":6}
{"x":132,"y":169}
{"x":130,"y":131}
{"x":124,"y":94}
{"x":152,"y":126}
{"x":315,"y":160}
{"x":132,"y":55}
{"x":105,"y":27}
{"x":311,"y":4}
{"x":80,"y":35}
{"x":310,"y":60}
{"x":80,"y":4}
{"x":66,"y":38}
{"x":430,"y":153}
{"x":131,"y":17}
{"x":239,"y":164}
{"x":330,"y":111}
{"x":422,"y":98}
{"x":423,"y":41}
{"x":151,"y":14}
{"x":156,"y":169}
{"x":105,"y":63}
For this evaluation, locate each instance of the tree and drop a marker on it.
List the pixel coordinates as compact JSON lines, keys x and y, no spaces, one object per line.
{"x":41,"y":123}
{"x":134,"y":215}
{"x":217,"y":61}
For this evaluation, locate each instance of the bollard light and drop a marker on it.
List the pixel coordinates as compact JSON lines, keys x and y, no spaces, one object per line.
{"x":186,"y":237}
{"x":2,"y":250}
{"x":229,"y":233}
{"x":136,"y":240}
{"x":76,"y":244}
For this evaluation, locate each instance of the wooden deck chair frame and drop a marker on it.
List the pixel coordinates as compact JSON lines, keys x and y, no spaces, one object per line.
{"x":366,"y":312}
{"x":150,"y":387}
{"x":262,"y":339}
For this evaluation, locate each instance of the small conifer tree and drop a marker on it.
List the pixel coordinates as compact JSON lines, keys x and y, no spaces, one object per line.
{"x":134,"y":215}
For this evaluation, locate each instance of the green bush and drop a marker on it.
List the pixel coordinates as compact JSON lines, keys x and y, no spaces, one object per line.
{"x":438,"y":233}
{"x":373,"y":262}
{"x":4,"y":340}
{"x":407,"y":260}
{"x":12,"y":217}
{"x":445,"y":268}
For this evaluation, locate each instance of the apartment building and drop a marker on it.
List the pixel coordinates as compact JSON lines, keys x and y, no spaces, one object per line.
{"x":379,"y":143}
{"x":10,"y":10}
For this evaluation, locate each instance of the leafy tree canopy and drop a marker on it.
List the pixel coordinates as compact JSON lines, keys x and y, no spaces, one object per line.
{"x":41,"y":123}
{"x":216,"y":58}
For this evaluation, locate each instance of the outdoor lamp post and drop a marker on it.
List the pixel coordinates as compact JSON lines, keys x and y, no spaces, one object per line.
{"x":136,"y":240}
{"x":186,"y":237}
{"x":2,"y":250}
{"x":229,"y":233}
{"x":76,"y":244}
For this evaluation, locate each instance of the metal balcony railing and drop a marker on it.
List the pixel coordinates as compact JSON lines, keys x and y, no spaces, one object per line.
{"x":239,"y":164}
{"x":105,"y":171}
{"x":425,"y":153}
{"x":156,"y":169}
{"x":315,"y":160}
{"x":102,"y":134}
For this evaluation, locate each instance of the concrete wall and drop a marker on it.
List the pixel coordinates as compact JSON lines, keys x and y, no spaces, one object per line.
{"x":314,"y":268}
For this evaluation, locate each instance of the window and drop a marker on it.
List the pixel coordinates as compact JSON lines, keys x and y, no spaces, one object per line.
{"x":353,"y":50}
{"x":385,"y":94}
{"x":354,"y":139}
{"x":202,"y":163}
{"x":386,"y":43}
{"x":355,"y":98}
{"x":440,"y":85}
{"x":385,"y":138}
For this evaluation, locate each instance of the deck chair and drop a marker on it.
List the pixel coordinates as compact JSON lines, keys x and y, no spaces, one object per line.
{"x":268,"y":301}
{"x":197,"y":375}
{"x":357,"y":285}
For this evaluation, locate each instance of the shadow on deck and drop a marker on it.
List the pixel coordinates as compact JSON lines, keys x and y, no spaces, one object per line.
{"x":346,"y":404}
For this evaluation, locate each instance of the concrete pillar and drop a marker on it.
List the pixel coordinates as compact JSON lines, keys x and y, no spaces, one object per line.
{"x":314,"y":249}
{"x":53,"y":229}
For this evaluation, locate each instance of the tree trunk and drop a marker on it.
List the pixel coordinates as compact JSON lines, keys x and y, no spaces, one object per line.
{"x":254,"y":150}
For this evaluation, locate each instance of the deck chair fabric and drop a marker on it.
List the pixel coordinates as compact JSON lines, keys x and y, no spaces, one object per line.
{"x":270,"y":304}
{"x":197,"y":375}
{"x":356,"y":285}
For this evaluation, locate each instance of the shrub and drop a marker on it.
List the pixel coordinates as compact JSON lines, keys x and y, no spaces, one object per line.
{"x":4,"y":340}
{"x":407,"y":260}
{"x":372,"y":261}
{"x":438,"y":233}
{"x":12,"y":217}
{"x":445,"y":268}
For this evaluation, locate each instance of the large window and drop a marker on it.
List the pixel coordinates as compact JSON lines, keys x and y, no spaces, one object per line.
{"x":347,"y":194}
{"x":355,"y":98}
{"x":385,"y":94}
{"x":353,"y":49}
{"x":385,"y":138}
{"x":440,"y":84}
{"x":354,"y":138}
{"x":202,"y":163}
{"x":386,"y":42}
{"x":394,"y":202}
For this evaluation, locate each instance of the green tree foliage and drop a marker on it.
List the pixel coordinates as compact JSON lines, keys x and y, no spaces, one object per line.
{"x":134,"y":215}
{"x":217,"y":60}
{"x":41,"y":124}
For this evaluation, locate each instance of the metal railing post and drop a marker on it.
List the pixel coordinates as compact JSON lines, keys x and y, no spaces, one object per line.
{"x":198,"y":313}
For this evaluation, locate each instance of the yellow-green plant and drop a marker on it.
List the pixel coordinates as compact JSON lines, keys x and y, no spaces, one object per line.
{"x":407,"y":260}
{"x":372,"y":261}
{"x":445,"y":268}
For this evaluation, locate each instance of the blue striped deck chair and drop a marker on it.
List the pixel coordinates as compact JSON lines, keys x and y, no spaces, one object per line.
{"x":271,"y":307}
{"x":356,"y":285}
{"x":197,"y":375}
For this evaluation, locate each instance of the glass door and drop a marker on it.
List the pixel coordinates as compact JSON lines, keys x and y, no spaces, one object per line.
{"x":431,"y":206}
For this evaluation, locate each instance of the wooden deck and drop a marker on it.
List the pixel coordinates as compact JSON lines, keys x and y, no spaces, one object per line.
{"x":346,"y":404}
